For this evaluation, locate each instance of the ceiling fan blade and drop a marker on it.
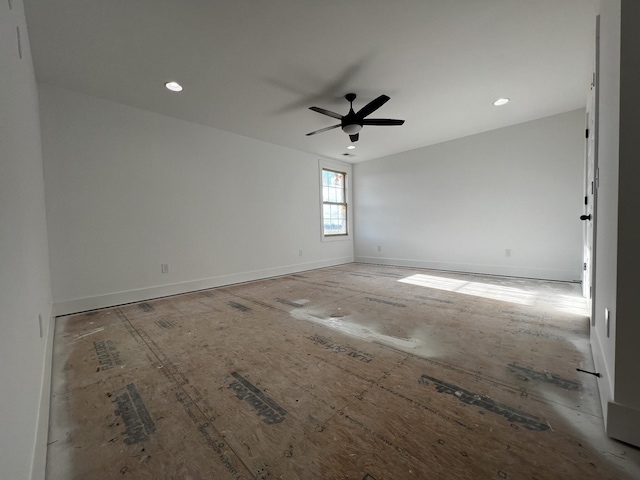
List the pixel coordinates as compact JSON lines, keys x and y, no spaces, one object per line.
{"x":326,"y":112}
{"x":324,"y":129}
{"x":354,"y":137}
{"x":381,"y":121}
{"x":372,"y":106}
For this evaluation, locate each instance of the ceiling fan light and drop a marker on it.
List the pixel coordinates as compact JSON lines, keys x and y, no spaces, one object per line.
{"x":501,"y":101}
{"x":352,"y":129}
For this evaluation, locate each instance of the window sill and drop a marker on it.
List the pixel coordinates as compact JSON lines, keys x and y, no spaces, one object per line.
{"x":336,"y":238}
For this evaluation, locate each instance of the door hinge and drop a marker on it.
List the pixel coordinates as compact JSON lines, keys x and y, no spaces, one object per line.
{"x":584,"y":266}
{"x":586,"y":133}
{"x":586,"y":200}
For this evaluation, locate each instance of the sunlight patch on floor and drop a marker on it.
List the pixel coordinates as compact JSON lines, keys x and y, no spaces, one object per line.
{"x":573,"y":305}
{"x":477,"y":289}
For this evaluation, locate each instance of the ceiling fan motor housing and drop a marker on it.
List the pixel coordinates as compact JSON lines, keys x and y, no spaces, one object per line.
{"x":351,"y":128}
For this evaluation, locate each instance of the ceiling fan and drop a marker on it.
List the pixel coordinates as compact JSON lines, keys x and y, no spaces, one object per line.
{"x":352,"y":122}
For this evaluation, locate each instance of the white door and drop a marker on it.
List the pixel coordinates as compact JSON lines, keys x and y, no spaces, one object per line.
{"x":591,"y":186}
{"x":589,"y":195}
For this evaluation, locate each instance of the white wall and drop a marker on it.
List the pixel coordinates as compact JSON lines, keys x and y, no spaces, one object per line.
{"x":459,"y":205}
{"x":129,"y":189}
{"x":618,"y":229}
{"x":24,"y":266}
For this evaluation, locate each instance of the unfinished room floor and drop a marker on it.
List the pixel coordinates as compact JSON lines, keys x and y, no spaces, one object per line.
{"x":359,"y":371}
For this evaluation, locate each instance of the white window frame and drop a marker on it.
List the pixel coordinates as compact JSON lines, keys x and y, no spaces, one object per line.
{"x":336,"y":166}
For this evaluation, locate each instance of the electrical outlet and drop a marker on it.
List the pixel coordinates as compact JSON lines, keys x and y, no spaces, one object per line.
{"x":164,"y":267}
{"x":379,"y":248}
{"x":299,"y":253}
{"x":507,"y":252}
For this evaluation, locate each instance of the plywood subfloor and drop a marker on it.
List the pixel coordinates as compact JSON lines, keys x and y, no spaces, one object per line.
{"x":352,"y":372}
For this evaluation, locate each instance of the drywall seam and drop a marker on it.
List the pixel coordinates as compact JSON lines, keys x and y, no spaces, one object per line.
{"x":120,"y":298}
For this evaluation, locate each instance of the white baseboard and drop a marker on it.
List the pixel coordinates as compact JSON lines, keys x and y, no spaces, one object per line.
{"x":39,"y":464}
{"x":605,"y":381}
{"x":623,"y":423}
{"x":119,"y":298}
{"x":542,"y":274}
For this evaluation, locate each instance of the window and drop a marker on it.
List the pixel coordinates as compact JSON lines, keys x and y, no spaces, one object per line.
{"x":334,"y":202}
{"x":334,"y":195}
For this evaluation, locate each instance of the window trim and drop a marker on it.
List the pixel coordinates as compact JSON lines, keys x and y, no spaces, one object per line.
{"x":339,"y":204}
{"x":346,"y":169}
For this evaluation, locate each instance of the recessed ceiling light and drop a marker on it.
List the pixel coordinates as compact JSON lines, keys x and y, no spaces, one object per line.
{"x":351,"y":147}
{"x":501,"y":101}
{"x":173,"y":86}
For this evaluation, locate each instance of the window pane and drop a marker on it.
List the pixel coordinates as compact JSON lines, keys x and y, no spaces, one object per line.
{"x":327,"y":178}
{"x":335,"y":219}
{"x":333,"y":186}
{"x":335,"y":194}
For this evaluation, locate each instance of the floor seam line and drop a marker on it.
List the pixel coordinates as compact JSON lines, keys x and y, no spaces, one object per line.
{"x":177,"y":383}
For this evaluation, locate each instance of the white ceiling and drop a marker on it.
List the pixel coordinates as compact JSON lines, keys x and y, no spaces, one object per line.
{"x":253,"y":67}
